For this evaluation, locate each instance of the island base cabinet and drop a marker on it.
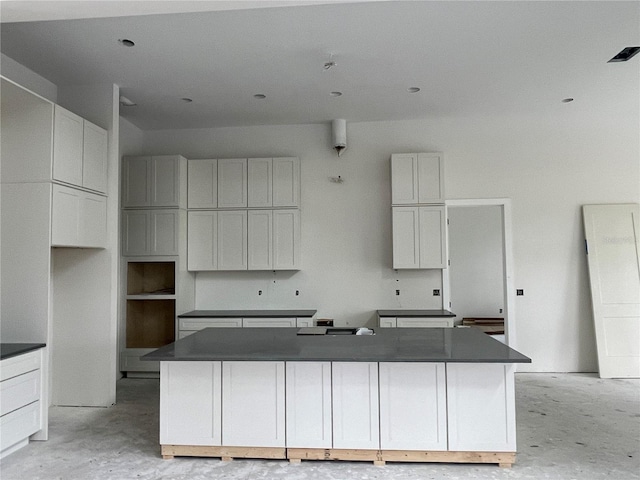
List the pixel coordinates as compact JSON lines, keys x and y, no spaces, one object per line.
{"x":308,"y":404}
{"x":253,"y":402}
{"x":481,"y":407}
{"x":355,"y":405}
{"x":190,"y":403}
{"x":413,"y":406}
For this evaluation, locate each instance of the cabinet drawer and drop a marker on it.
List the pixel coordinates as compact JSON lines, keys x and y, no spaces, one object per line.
{"x":19,"y":391}
{"x":268,"y":322}
{"x":19,"y":424}
{"x":428,"y":322}
{"x":20,"y":364}
{"x":200,"y":323}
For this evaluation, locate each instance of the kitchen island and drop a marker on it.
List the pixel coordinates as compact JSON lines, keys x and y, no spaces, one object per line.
{"x":410,"y":394}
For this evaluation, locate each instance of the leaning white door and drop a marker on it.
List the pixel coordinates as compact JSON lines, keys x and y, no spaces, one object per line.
{"x":612,"y":233}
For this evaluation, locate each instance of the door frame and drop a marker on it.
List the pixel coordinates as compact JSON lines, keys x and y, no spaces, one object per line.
{"x":507,"y":258}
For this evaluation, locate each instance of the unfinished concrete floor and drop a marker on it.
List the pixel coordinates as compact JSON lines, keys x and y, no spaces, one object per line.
{"x":570,"y":426}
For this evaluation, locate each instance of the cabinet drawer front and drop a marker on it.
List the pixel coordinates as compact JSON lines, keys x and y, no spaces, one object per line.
{"x":268,"y":322}
{"x":410,"y":322}
{"x":19,"y":424}
{"x":19,"y":391}
{"x":200,"y":323}
{"x":20,"y":364}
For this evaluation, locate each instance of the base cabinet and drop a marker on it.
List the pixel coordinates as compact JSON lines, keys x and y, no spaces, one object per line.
{"x":415,"y":322}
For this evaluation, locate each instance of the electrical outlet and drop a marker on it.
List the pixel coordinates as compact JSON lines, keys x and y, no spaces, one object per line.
{"x":297,"y":292}
{"x":259,"y":292}
{"x":397,"y":292}
{"x":436,"y":292}
{"x":520,"y":292}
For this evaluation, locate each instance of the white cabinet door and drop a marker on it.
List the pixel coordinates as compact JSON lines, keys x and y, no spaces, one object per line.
{"x":232,"y":182}
{"x":404,"y":179}
{"x":424,"y":322}
{"x":268,"y":322}
{"x":406,"y":237}
{"x":355,"y":405}
{"x":135,"y":232}
{"x":164,"y":226}
{"x":190,"y":403}
{"x":67,"y":146}
{"x":413,"y":406}
{"x":481,"y":407}
{"x":260,"y":182}
{"x":286,"y":182}
{"x":78,"y":218}
{"x":286,"y":239}
{"x":432,"y":239}
{"x":165,"y":181}
{"x":95,"y":158}
{"x":202,"y":240}
{"x":308,"y":404}
{"x":136,"y":172}
{"x":232,"y":240}
{"x":202,"y":183}
{"x":430,"y":178}
{"x":246,"y":423}
{"x":93,"y":220}
{"x":260,"y":240}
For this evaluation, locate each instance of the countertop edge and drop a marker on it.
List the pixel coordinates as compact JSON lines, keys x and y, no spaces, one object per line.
{"x":20,"y":349}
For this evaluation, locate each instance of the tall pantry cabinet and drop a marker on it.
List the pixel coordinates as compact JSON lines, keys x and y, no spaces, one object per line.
{"x":156,"y":286}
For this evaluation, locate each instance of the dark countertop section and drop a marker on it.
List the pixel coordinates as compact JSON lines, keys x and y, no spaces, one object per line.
{"x":467,"y":345}
{"x":415,"y":313}
{"x":8,"y":350}
{"x":247,"y":313}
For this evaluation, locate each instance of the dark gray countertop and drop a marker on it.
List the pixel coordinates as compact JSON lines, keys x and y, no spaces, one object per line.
{"x":247,"y":313}
{"x":8,"y":350}
{"x":415,"y":313}
{"x":468,"y":345}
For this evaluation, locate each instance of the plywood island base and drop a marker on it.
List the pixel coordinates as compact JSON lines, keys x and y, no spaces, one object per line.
{"x":378,"y":457}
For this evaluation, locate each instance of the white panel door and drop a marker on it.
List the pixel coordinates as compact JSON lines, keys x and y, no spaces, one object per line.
{"x":66,"y":211}
{"x":430,"y":178}
{"x":286,"y":239}
{"x":232,"y":182}
{"x":165,"y":181}
{"x":260,"y":240}
{"x":202,"y":183}
{"x":269,"y":322}
{"x":164,"y":232}
{"x":135,"y":182}
{"x":404,"y":179}
{"x":413,"y":406}
{"x":355,"y":405}
{"x":135,"y":232}
{"x":260,"y":181}
{"x":202,"y":240}
{"x":613,"y":239}
{"x":190,"y":403}
{"x":286,"y":182}
{"x":433,"y":253}
{"x":308,"y":397}
{"x":406,"y":237}
{"x":95,"y":158}
{"x":67,"y":146}
{"x":481,"y":407}
{"x":93,"y":220}
{"x":232,"y":240}
{"x":253,"y":412}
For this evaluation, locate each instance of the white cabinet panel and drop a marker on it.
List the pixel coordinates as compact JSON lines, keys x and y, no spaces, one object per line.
{"x":18,"y":425}
{"x":432,"y":238}
{"x":79,"y":218}
{"x":67,"y":146}
{"x":424,"y":322}
{"x":95,"y":158}
{"x":135,"y":232}
{"x":387,"y":322}
{"x":202,"y":183}
{"x":93,"y":220}
{"x":200,"y":323}
{"x":202,"y":240}
{"x":286,"y":182}
{"x":164,"y":232}
{"x":152,"y":181}
{"x":481,"y":407}
{"x":232,"y":240}
{"x":260,"y":182}
{"x":19,"y":391}
{"x":413,"y":410}
{"x":136,"y":191}
{"x":304,"y":322}
{"x":20,"y":364}
{"x":308,"y":403}
{"x":244,"y":423}
{"x":355,"y":405}
{"x":406,"y":237}
{"x":286,"y":239}
{"x":190,"y":403}
{"x":268,"y":322}
{"x":165,"y":181}
{"x":150,"y":232}
{"x":404,"y":179}
{"x":260,"y":240}
{"x":232,"y":182}
{"x":430,"y":178}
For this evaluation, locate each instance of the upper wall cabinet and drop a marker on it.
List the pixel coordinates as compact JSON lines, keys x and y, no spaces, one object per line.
{"x":273,"y":182}
{"x":417,"y":178}
{"x":202,"y":183}
{"x":79,"y":218}
{"x":154,"y":181}
{"x":232,"y":182}
{"x":79,"y":151}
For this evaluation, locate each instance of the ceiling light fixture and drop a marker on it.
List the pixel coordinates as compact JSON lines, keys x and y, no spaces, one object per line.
{"x":625,"y":54}
{"x":414,"y":89}
{"x":336,"y":94}
{"x":260,"y":96}
{"x":125,"y":42}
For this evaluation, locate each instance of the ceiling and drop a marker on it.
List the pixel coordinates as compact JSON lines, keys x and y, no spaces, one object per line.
{"x":473,"y":58}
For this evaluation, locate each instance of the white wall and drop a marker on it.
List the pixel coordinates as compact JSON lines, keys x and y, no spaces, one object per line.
{"x":549,"y":163}
{"x":27,"y":78}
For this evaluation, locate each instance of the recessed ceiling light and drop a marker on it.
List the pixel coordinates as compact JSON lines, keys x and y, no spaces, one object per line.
{"x":567,"y":100}
{"x":625,"y":54}
{"x":125,"y":42}
{"x":414,"y":89}
{"x":259,"y":96}
{"x":186,"y":99}
{"x":336,"y":94}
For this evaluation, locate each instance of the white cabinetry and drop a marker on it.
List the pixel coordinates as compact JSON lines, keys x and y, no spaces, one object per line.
{"x":232,"y":182}
{"x":189,"y":325}
{"x":273,"y":239}
{"x":79,"y":218}
{"x":268,"y":322}
{"x":417,"y":178}
{"x":273,"y":182}
{"x":260,"y":182}
{"x":355,"y":405}
{"x":308,"y":404}
{"x":202,"y":183}
{"x":419,"y":237}
{"x":244,"y":422}
{"x":154,"y":181}
{"x":150,"y":232}
{"x":202,"y":240}
{"x":413,"y":410}
{"x":232,"y":240}
{"x":415,"y":322}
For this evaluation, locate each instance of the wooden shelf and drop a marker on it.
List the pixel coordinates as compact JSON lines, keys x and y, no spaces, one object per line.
{"x":151,"y":278}
{"x":150,"y":323}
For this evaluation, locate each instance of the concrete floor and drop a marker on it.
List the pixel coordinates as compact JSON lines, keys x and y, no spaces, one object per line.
{"x":570,"y":426}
